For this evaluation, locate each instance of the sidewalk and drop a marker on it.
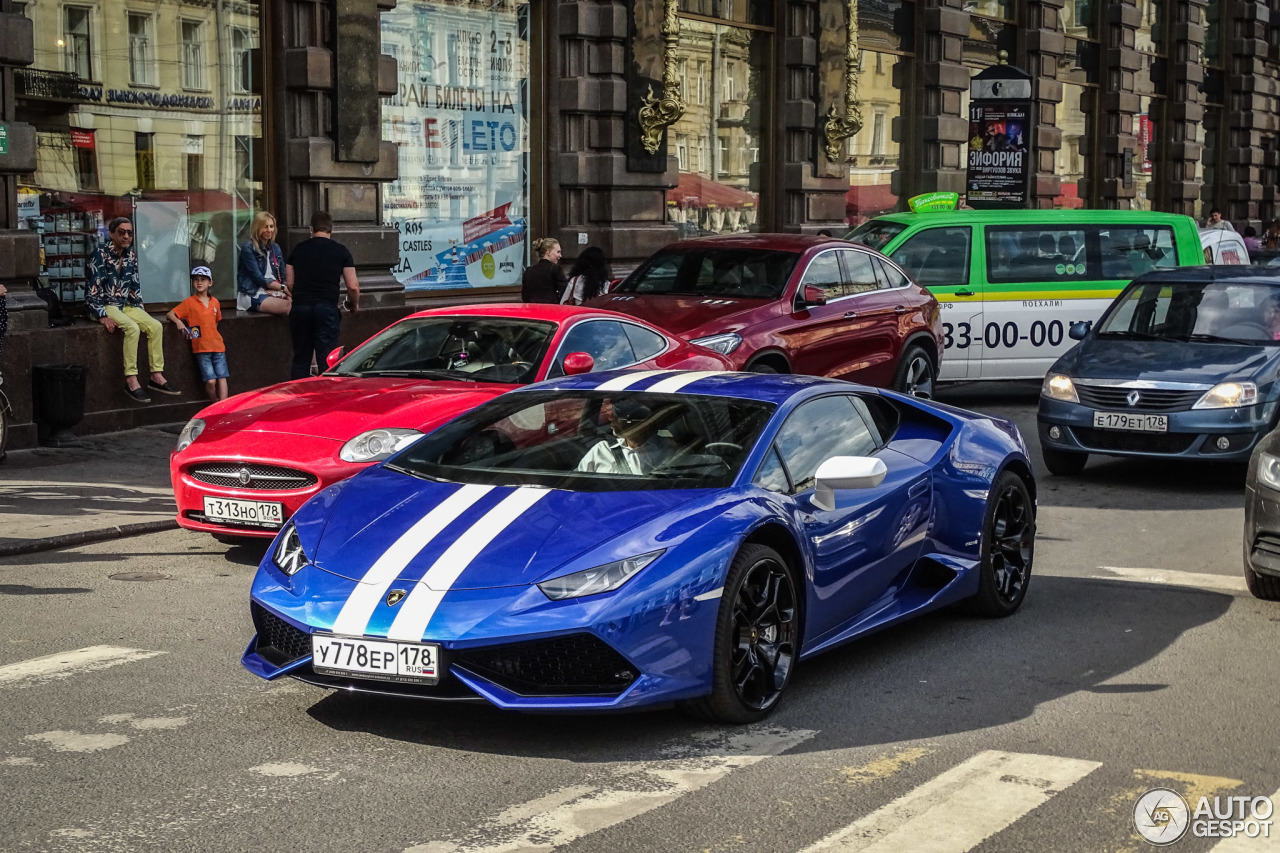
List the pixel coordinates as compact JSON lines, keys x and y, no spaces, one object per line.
{"x":112,"y":485}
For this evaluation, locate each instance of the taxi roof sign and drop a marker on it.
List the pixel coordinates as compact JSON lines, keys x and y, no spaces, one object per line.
{"x":933,"y":202}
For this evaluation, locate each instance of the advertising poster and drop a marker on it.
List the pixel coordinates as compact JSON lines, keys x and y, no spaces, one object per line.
{"x":999,"y":163}
{"x":460,"y":120}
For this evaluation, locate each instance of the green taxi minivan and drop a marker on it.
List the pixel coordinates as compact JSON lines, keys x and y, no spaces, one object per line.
{"x":1011,"y":282}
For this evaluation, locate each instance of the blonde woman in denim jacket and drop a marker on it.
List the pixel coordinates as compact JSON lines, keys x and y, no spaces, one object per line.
{"x":260,"y":277}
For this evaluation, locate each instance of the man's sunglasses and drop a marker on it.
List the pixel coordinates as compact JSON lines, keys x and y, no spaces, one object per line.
{"x":128,"y":231}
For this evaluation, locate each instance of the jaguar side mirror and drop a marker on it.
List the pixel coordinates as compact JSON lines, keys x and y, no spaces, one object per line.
{"x":846,"y":472}
{"x":578,"y":362}
{"x":335,"y":356}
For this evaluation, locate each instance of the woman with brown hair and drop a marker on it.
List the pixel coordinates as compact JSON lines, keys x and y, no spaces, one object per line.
{"x":545,"y":280}
{"x":260,"y":277}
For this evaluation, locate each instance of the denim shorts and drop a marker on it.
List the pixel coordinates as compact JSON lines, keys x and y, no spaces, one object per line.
{"x":213,"y":365}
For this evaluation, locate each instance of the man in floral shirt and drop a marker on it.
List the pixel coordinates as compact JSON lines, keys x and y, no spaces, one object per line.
{"x":115,"y":299}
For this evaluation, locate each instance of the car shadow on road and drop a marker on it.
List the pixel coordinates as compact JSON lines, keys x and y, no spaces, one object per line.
{"x":936,"y":676}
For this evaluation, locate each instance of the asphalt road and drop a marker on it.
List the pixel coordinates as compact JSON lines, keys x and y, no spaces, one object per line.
{"x":1137,"y":661}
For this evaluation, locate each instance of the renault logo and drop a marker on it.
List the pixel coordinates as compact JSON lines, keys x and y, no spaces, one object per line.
{"x":1133,"y":398}
{"x":395,"y":597}
{"x":245,"y":477}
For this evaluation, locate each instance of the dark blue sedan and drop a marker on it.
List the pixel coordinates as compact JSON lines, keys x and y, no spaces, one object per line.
{"x":1183,"y":364}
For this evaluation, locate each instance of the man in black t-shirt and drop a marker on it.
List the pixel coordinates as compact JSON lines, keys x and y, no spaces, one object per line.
{"x":313,"y":273}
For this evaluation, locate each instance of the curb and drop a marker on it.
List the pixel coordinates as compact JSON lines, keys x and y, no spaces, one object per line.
{"x":85,"y":537}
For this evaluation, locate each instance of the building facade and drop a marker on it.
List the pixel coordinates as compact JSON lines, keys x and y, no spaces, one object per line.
{"x":444,"y":135}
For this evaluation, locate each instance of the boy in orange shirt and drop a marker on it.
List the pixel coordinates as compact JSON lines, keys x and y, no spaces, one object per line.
{"x":197,"y":318}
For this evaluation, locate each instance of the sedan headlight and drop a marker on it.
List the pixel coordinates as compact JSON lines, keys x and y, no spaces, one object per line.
{"x":190,"y":433}
{"x":1269,"y":470}
{"x":600,"y":579}
{"x":1058,"y":386}
{"x":723,"y":344}
{"x":377,"y":444}
{"x":288,"y":555}
{"x":1228,"y":395}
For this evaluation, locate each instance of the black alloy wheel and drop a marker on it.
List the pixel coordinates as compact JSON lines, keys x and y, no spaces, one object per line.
{"x":916,"y":374}
{"x":756,"y":640}
{"x":1008,"y":548}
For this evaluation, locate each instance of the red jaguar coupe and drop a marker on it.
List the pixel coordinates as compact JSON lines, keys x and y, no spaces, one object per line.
{"x":242,"y":467}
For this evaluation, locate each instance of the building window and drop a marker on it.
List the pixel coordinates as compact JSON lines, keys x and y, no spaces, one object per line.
{"x":702,"y":83}
{"x":142,"y":66}
{"x":877,"y":130}
{"x":682,"y":152}
{"x":87,"y":167}
{"x":76,"y":47}
{"x":193,"y":55}
{"x":729,"y":89}
{"x":241,"y":45}
{"x":144,"y":154}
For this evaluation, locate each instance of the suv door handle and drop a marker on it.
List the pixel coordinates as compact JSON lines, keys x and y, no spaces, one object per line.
{"x":850,"y":314}
{"x":964,"y":293}
{"x":899,"y":309}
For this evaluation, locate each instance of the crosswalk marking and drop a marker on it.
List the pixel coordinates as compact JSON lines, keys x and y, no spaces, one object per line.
{"x":962,"y":807}
{"x":570,"y":813}
{"x":65,"y":664}
{"x":1169,"y":577}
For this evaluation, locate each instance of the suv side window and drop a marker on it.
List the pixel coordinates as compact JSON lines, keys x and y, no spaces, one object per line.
{"x":818,"y":430}
{"x":859,"y":272}
{"x":891,"y":275}
{"x":937,"y":256}
{"x":824,"y":272}
{"x":604,"y":340}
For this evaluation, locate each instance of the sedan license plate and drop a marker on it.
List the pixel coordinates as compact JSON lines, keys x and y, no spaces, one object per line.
{"x":418,"y":663}
{"x":1126,"y":421}
{"x":265,"y":514}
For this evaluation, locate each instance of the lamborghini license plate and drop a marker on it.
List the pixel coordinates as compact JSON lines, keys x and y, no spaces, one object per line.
{"x":385,"y":660}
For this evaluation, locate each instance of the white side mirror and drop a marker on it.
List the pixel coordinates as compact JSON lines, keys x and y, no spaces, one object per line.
{"x":846,"y":472}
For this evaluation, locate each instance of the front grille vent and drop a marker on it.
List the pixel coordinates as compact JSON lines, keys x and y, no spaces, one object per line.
{"x":249,"y":475}
{"x":278,"y":641}
{"x":574,"y":665}
{"x":1267,"y":544}
{"x":1134,"y":442}
{"x":1149,"y":399}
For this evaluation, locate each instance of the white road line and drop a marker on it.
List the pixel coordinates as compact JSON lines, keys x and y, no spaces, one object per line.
{"x":959,"y":809}
{"x":364,"y":599}
{"x":568,"y":814}
{"x":674,"y":383}
{"x":1245,"y":844}
{"x":626,"y":380}
{"x":1199,"y":580}
{"x":420,"y":605}
{"x":66,"y":664}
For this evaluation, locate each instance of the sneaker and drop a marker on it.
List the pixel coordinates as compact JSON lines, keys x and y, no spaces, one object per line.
{"x":163,"y":388}
{"x":137,"y":394}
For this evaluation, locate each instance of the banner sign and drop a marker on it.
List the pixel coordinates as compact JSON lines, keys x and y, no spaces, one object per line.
{"x":999,"y":151}
{"x":460,"y":119}
{"x":82,"y":138}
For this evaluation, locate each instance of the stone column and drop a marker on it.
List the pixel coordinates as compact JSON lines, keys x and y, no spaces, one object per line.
{"x":1118,"y":104}
{"x":19,"y":249}
{"x":944,"y":130}
{"x":329,"y":153}
{"x":1042,"y":44}
{"x":814,"y":36}
{"x":1184,"y":109}
{"x":1249,"y":113}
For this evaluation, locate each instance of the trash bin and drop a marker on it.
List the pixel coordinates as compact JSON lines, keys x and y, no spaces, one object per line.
{"x":57,"y":398}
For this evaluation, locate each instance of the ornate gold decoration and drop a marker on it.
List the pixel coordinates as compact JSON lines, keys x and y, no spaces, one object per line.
{"x":657,"y":114}
{"x":838,"y":127}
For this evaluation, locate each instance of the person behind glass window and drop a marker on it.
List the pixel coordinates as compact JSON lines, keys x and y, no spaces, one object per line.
{"x":589,"y":277}
{"x":544,"y":281}
{"x":260,"y":274}
{"x":634,"y":447}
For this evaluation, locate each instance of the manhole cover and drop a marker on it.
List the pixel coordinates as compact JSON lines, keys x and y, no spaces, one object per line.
{"x":139,"y":576}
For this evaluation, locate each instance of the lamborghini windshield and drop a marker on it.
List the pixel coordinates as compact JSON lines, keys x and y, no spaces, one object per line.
{"x":466,"y":348}
{"x":593,"y":442}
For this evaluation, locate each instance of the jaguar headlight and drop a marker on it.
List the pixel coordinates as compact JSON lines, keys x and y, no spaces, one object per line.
{"x":377,"y":444}
{"x":1269,"y":470}
{"x":723,"y":344}
{"x":190,"y":433}
{"x":288,"y":555}
{"x":600,"y":579}
{"x":1228,"y":395}
{"x":1058,"y":386}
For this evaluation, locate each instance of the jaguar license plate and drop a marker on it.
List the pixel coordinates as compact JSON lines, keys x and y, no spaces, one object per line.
{"x":1132,"y":422}
{"x":417,"y":663}
{"x":265,"y":514}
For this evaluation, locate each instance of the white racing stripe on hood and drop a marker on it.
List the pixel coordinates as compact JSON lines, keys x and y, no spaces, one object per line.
{"x":364,"y":599}
{"x":675,"y":383}
{"x":420,"y":605}
{"x":626,"y":380}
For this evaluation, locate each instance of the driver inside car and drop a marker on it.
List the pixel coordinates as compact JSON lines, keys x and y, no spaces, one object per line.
{"x":635,"y":447}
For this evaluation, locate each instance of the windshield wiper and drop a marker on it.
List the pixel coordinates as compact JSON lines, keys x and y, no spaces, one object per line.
{"x":1137,"y":336}
{"x":421,"y":374}
{"x":1202,"y":337}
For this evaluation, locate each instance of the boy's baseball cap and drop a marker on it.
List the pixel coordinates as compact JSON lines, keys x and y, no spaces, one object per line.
{"x":204,"y":271}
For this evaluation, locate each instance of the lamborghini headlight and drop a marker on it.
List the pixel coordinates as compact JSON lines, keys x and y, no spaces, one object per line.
{"x":190,"y":433}
{"x":600,"y":579}
{"x":1228,"y":395}
{"x":288,"y":555}
{"x":1058,"y":386}
{"x":1269,"y":470}
{"x":377,"y":444}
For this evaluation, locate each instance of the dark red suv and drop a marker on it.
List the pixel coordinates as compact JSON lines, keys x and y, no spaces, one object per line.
{"x":786,"y":303}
